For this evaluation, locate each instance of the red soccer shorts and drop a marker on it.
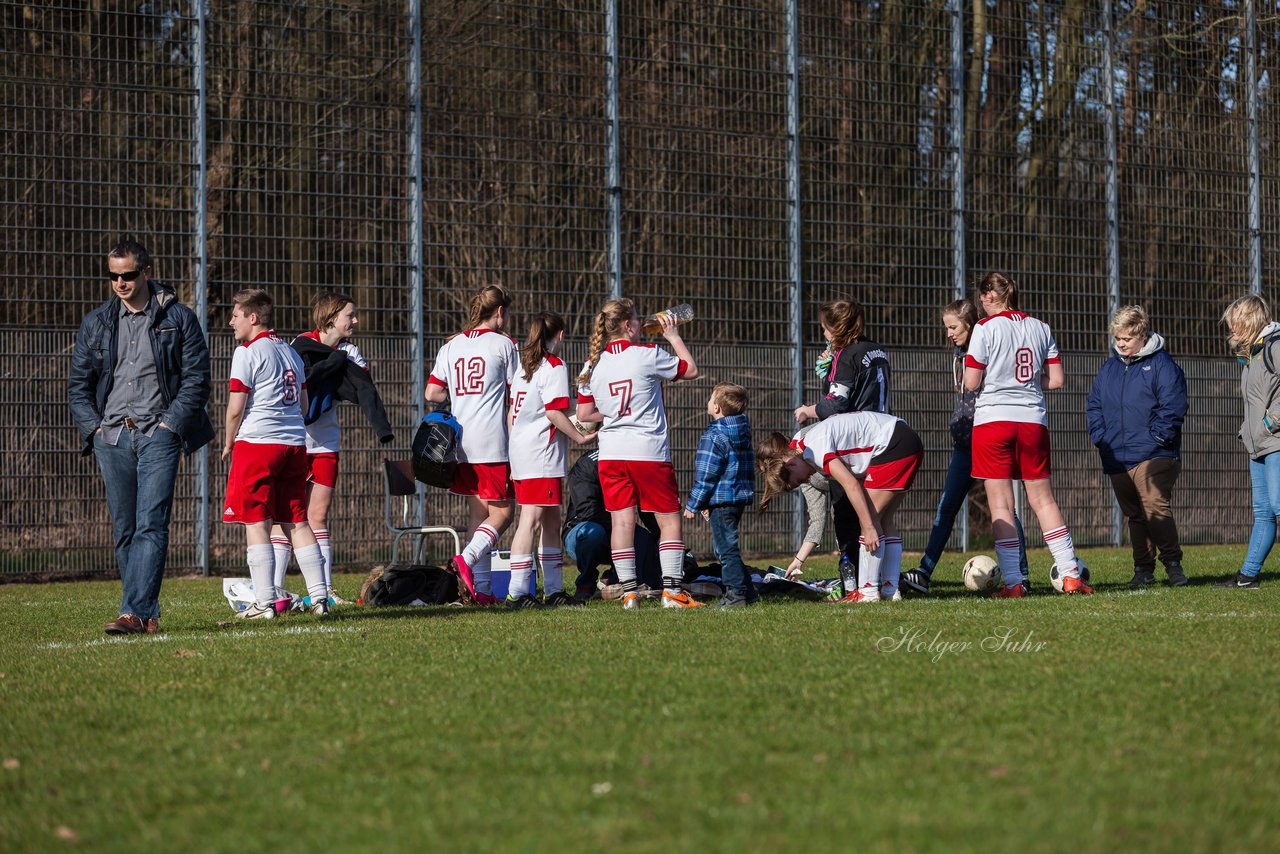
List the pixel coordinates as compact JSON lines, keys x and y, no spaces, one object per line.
{"x":539,"y":491}
{"x":267,"y":483}
{"x":486,"y":481}
{"x":324,"y":469}
{"x":649,"y":485}
{"x":894,"y":475}
{"x":1010,"y":450}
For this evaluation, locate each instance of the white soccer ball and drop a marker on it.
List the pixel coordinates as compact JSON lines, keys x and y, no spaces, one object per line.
{"x":981,"y":573}
{"x":1055,"y":577}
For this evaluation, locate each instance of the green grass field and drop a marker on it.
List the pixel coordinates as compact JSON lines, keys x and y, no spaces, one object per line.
{"x":1125,"y":721}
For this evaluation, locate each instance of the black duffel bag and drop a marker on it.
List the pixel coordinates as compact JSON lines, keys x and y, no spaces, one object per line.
{"x":409,"y":584}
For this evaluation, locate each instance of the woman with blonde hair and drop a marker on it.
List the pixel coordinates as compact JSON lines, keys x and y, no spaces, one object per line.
{"x":1255,"y":340}
{"x":473,"y":371}
{"x":621,"y":387}
{"x":1012,"y":360}
{"x":874,"y":458}
{"x":1135,"y":410}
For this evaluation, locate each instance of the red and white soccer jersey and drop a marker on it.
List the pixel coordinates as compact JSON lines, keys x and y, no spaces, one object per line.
{"x":476,"y":367}
{"x":854,"y":438}
{"x":1013,"y":349}
{"x":271,"y":373}
{"x":626,"y":387}
{"x":537,"y":448}
{"x":323,"y":434}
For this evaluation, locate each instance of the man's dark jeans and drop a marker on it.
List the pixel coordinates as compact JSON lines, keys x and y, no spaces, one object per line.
{"x":725,"y":520}
{"x":587,"y":545}
{"x":139,"y":472}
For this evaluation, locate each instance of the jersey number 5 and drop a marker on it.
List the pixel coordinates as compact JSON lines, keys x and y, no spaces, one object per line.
{"x":468,"y":376}
{"x":621,"y":389}
{"x":1024,"y":365}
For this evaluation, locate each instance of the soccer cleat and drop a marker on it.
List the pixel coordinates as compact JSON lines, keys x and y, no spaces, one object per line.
{"x":679,"y":599}
{"x":521,"y":603}
{"x":1141,"y":578}
{"x":857,"y":597}
{"x":335,"y":599}
{"x":487,"y":599}
{"x":463,"y":572}
{"x":321,"y":608}
{"x":1014,"y":592}
{"x":560,"y":599}
{"x":896,"y":597}
{"x":631,"y":601}
{"x":1239,"y":581}
{"x":1072,"y":586}
{"x":1177,"y":578}
{"x":258,"y":612}
{"x":914,"y":582}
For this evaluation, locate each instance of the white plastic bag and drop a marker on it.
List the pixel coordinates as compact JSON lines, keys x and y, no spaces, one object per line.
{"x":239,"y":593}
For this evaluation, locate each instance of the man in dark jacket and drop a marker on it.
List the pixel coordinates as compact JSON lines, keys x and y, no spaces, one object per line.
{"x":1135,"y":409}
{"x":138,"y":388}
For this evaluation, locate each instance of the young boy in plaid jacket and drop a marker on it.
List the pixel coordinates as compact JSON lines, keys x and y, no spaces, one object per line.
{"x":725,"y":485}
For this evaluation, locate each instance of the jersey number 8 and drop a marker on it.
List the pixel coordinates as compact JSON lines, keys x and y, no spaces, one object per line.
{"x":1024,"y":368}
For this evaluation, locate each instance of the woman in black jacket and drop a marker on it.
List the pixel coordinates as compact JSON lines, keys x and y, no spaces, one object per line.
{"x":856,"y":373}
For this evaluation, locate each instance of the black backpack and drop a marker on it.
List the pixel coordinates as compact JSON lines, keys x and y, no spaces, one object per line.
{"x":405,"y":583}
{"x":435,"y":449}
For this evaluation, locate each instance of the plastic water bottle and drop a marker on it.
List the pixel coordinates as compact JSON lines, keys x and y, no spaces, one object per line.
{"x":651,"y":325}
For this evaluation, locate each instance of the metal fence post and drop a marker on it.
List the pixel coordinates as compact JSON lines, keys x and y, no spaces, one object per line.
{"x":413,"y":78}
{"x":1255,"y":166}
{"x":613,"y":180}
{"x":1112,"y":193}
{"x":200,"y":259}
{"x":959,"y":265}
{"x":794,"y":270}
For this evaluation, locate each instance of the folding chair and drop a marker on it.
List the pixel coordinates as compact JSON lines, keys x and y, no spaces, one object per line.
{"x":398,"y":475}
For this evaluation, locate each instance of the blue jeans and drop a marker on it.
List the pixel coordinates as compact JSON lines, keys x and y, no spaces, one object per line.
{"x":1264,"y":477}
{"x":954,"y":490}
{"x":587,"y":545}
{"x":139,"y":472}
{"x":725,"y":520}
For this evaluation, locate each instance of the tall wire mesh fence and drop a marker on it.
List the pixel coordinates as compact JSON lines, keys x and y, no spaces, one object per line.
{"x":276,"y":145}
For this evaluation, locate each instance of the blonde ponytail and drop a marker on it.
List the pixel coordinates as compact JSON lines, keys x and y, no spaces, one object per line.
{"x":610,"y":323}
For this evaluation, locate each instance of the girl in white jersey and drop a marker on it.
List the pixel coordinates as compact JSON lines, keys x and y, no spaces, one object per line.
{"x":540,"y":430}
{"x":335,"y":319}
{"x":473,"y":370}
{"x":621,"y":386}
{"x":874,"y":457}
{"x":1012,"y":359}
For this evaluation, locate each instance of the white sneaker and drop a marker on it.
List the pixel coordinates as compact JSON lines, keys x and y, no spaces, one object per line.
{"x":320,"y":609}
{"x":335,"y":599}
{"x":258,"y":612}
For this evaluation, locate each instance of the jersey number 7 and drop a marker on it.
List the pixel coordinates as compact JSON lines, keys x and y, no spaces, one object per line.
{"x":621,"y":389}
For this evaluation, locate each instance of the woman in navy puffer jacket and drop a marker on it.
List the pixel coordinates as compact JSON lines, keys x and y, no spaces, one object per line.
{"x":1136,"y":408}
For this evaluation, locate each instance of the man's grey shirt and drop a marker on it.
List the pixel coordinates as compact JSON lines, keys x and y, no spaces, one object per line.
{"x":135,"y":387}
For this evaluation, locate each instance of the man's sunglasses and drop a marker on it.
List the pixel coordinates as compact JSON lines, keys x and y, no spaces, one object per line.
{"x":130,"y":276}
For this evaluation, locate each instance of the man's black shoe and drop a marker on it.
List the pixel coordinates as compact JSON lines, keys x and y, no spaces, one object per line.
{"x":1239,"y":581}
{"x":1142,"y":578}
{"x":1177,"y":578}
{"x":914,"y":582}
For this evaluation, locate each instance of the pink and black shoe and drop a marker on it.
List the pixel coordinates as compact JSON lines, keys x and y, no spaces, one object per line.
{"x":468,"y":591}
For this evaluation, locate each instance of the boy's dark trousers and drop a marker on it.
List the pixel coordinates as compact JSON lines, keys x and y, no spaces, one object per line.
{"x":725,"y":519}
